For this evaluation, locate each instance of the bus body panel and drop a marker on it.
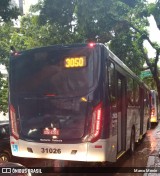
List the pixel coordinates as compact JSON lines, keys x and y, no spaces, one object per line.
{"x":132,"y":121}
{"x":103,"y":150}
{"x":65,"y":150}
{"x":74,"y":152}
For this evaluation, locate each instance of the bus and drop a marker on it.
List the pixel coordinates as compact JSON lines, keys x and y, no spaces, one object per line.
{"x":76,"y":102}
{"x":154,"y":107}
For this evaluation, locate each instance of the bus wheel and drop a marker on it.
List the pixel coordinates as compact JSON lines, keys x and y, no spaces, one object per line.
{"x":4,"y":157}
{"x":132,"y":142}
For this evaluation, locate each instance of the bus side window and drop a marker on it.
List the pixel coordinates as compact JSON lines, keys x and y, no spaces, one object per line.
{"x":136,"y":93}
{"x":112,"y":84}
{"x":146,"y":99}
{"x":146,"y":103}
{"x":113,"y":98}
{"x":130,"y":94}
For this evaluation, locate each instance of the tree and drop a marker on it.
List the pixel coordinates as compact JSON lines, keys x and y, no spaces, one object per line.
{"x":152,"y":9}
{"x":127,"y":47}
{"x":3,"y":94}
{"x":6,"y":30}
{"x":32,"y":34}
{"x":8,"y":11}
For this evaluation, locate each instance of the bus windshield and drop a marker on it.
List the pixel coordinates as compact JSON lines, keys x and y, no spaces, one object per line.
{"x":67,"y":72}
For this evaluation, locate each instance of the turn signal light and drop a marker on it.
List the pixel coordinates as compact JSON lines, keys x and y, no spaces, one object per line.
{"x":96,"y":123}
{"x":14,"y":129}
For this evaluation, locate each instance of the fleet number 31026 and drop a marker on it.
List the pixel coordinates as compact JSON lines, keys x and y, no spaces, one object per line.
{"x":51,"y":150}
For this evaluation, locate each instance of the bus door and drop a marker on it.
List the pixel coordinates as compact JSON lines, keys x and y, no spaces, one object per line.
{"x":121,"y":112}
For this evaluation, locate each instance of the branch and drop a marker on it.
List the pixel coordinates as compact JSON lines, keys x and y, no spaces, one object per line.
{"x":149,"y":64}
{"x":145,"y":37}
{"x":156,"y":61}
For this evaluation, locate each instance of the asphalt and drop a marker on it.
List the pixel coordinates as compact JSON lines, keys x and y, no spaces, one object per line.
{"x":153,"y":164}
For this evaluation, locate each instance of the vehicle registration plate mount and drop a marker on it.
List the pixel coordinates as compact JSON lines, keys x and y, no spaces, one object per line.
{"x":51,"y":131}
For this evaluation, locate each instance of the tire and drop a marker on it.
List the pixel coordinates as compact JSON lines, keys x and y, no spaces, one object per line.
{"x":4,"y":157}
{"x":132,"y":142}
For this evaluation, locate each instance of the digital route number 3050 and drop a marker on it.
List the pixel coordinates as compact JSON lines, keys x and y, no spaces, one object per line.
{"x":51,"y":150}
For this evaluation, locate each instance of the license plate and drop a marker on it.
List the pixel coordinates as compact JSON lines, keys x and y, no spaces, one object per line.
{"x":53,"y":131}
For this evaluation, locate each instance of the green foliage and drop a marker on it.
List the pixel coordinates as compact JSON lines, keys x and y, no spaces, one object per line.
{"x":32,"y":34}
{"x":8,"y":11}
{"x":6,"y":30}
{"x":150,"y":82}
{"x":154,"y":9}
{"x":3,"y":94}
{"x":58,"y":12}
{"x":127,"y":47}
{"x":5,"y":35}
